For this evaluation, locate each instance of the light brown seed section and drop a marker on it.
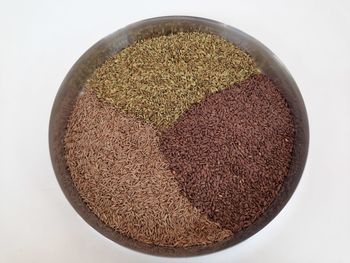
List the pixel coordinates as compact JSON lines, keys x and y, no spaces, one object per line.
{"x":160,"y":78}
{"x":120,"y":173}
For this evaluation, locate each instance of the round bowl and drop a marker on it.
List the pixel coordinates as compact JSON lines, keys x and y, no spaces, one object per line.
{"x":75,"y":80}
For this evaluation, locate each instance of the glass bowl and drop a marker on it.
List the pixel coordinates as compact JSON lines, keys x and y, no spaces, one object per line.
{"x":75,"y":80}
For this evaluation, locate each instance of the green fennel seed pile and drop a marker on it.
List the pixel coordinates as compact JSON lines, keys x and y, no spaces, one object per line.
{"x":158,"y":79}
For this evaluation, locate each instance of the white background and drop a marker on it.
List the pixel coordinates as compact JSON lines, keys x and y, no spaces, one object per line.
{"x":40,"y":41}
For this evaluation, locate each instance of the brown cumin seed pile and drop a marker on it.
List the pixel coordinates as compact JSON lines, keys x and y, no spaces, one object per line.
{"x":158,"y":79}
{"x":231,"y":152}
{"x":116,"y":166}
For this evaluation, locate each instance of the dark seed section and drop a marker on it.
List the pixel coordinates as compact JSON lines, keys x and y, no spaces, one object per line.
{"x":231,"y":152}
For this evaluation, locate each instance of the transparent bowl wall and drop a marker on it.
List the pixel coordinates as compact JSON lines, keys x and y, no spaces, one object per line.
{"x":98,"y":53}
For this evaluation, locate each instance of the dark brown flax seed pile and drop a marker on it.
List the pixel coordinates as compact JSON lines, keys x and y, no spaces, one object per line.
{"x":229,"y":153}
{"x":179,"y":141}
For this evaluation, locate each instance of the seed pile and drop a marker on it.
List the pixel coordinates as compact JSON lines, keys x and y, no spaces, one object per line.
{"x":158,"y":79}
{"x":179,"y":141}
{"x":231,"y":152}
{"x":120,"y":173}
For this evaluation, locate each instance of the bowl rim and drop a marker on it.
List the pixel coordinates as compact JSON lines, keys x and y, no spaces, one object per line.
{"x":59,"y":117}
